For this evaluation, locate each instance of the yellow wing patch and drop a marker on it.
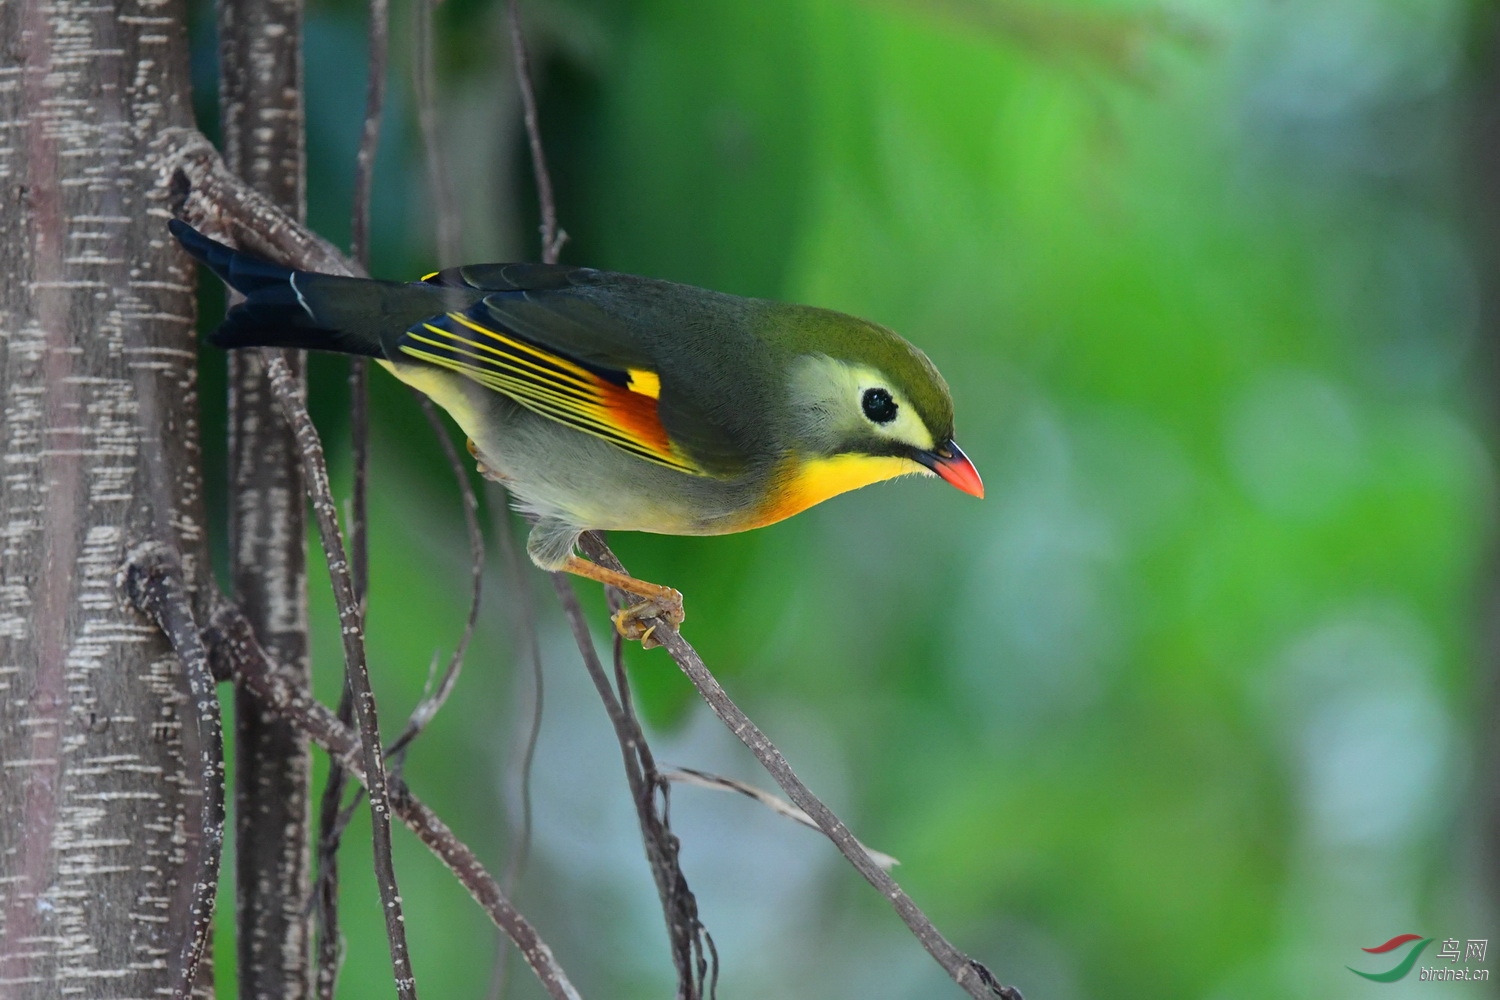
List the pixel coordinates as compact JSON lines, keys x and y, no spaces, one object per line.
{"x":551,"y":385}
{"x":644,"y":381}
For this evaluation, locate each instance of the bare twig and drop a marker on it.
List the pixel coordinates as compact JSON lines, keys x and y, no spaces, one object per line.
{"x":530,"y":649}
{"x":359,"y":505}
{"x":553,"y":238}
{"x":552,"y":241}
{"x":448,"y":242}
{"x":434,"y":698}
{"x":369,"y":138}
{"x":424,"y":83}
{"x":329,"y":955}
{"x":359,"y":249}
{"x":234,"y":647}
{"x":969,"y":974}
{"x":775,"y":803}
{"x":690,"y":942}
{"x":689,"y":937}
{"x":351,"y":623}
{"x":152,"y":579}
{"x":213,"y":199}
{"x":693,"y":952}
{"x":527,"y":648}
{"x":329,"y":952}
{"x":210,"y":196}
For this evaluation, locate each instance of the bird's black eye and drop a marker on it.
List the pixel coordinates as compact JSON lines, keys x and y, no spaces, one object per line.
{"x":879,"y":406}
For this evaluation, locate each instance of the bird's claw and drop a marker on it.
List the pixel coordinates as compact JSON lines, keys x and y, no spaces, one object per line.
{"x":631,"y":622}
{"x":485,"y":469}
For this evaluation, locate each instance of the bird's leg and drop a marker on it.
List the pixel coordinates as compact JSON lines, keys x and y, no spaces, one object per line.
{"x":659,"y":602}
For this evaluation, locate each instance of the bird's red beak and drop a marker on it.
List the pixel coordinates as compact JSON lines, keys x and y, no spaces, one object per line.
{"x":949,"y":461}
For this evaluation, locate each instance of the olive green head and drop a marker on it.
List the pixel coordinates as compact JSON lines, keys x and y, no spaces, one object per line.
{"x":862,"y":398}
{"x":858,"y":388}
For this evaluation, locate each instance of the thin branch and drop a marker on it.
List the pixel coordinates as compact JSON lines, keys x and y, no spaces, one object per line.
{"x":969,"y":974}
{"x":689,"y":940}
{"x":359,"y":506}
{"x":693,"y":952}
{"x":689,"y":936}
{"x":213,"y":199}
{"x":234,"y":647}
{"x":435,"y":698}
{"x":775,"y":803}
{"x":209,"y":195}
{"x":525,"y":614}
{"x":329,"y":954}
{"x":425,"y":87}
{"x":424,"y":83}
{"x":369,"y":138}
{"x":359,"y":249}
{"x":152,"y":579}
{"x":351,"y":623}
{"x":552,"y":241}
{"x":553,"y":238}
{"x":449,"y":240}
{"x":528,"y":647}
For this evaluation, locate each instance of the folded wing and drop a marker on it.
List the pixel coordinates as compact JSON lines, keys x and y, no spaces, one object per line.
{"x":616,"y":404}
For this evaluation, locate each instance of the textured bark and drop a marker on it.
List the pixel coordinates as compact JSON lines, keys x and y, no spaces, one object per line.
{"x":260,"y":100}
{"x":100,"y":801}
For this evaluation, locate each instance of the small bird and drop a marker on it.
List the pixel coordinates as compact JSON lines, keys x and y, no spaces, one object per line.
{"x":606,"y":401}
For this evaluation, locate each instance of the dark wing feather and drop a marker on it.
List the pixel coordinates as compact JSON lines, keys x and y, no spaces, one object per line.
{"x":512,"y":277}
{"x":694,"y":342}
{"x":713,"y":374}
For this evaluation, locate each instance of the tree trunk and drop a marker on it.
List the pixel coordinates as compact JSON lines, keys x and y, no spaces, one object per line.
{"x":260,"y":101}
{"x":100,"y":776}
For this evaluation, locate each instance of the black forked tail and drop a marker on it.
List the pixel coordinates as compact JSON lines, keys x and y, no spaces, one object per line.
{"x":282,"y":306}
{"x":240,"y":271}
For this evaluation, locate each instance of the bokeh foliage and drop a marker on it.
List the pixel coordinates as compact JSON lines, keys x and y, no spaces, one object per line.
{"x":1191,"y":704}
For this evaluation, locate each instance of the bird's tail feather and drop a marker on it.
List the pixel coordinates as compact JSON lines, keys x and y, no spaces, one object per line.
{"x":303,"y":309}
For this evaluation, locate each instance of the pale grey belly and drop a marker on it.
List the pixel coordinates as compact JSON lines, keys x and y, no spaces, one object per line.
{"x":561,"y":474}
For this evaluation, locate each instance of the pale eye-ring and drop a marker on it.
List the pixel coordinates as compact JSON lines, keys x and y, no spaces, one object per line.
{"x":878,"y":405}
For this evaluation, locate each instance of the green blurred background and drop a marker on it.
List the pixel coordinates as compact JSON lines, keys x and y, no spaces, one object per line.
{"x":1197,"y":702}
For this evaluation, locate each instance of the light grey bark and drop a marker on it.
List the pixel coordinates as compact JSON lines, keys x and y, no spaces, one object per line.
{"x":260,"y":101}
{"x":100,"y":819}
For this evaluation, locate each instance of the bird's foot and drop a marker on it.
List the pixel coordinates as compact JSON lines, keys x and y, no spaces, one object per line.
{"x":658,"y":602}
{"x":631,"y":622}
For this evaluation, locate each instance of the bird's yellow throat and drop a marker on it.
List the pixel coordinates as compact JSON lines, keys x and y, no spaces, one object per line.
{"x":803,"y":483}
